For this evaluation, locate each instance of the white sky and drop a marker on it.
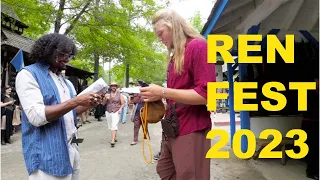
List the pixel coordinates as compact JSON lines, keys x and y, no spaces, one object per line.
{"x":187,"y":8}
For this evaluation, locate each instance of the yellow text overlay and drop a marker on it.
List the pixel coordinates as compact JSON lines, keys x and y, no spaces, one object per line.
{"x":267,"y":152}
{"x":239,"y":95}
{"x":273,"y":45}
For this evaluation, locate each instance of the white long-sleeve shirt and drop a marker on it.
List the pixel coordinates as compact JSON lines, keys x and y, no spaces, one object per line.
{"x":32,"y":101}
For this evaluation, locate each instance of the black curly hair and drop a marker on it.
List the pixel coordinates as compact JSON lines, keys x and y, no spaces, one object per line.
{"x":50,"y":45}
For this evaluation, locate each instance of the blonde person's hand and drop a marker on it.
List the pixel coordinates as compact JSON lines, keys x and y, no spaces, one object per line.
{"x":151,"y":93}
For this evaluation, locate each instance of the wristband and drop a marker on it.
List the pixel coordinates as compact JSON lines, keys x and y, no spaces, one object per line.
{"x":164,"y":93}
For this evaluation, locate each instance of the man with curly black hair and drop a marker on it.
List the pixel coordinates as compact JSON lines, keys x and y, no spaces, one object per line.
{"x":50,"y":106}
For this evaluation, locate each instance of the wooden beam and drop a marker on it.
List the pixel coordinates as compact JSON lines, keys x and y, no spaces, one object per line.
{"x":236,"y":4}
{"x":215,"y":17}
{"x":239,"y":13}
{"x":315,"y":27}
{"x":307,"y":17}
{"x":262,"y":11}
{"x":225,"y":27}
{"x":292,"y":14}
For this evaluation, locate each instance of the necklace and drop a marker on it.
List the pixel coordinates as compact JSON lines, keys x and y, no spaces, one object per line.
{"x":60,"y":82}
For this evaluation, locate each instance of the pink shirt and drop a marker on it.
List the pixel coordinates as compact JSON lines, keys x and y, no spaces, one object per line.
{"x":196,"y":74}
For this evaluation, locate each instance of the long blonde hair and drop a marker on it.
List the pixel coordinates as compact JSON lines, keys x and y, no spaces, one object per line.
{"x":181,"y":31}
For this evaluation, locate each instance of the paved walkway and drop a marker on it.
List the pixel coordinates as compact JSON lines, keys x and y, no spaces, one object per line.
{"x":124,"y":162}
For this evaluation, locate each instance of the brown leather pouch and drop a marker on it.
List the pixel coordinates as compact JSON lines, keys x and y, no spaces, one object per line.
{"x":155,"y":111}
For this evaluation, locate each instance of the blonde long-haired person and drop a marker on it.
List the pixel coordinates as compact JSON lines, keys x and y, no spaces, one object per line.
{"x":183,"y":154}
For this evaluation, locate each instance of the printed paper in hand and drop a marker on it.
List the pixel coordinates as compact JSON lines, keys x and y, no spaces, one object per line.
{"x":99,"y":87}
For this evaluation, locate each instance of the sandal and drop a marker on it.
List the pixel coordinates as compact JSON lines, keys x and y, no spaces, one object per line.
{"x":112,"y":143}
{"x":133,"y":143}
{"x":156,"y":157}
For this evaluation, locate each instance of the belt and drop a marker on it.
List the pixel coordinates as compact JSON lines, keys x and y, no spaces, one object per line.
{"x":76,"y":140}
{"x":164,"y":137}
{"x":175,"y":105}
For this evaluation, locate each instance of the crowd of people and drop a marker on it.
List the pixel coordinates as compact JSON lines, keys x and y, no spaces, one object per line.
{"x":116,"y":107}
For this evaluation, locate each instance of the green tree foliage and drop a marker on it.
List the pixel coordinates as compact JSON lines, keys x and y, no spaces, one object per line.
{"x":115,"y":30}
{"x":196,"y":21}
{"x":120,"y":35}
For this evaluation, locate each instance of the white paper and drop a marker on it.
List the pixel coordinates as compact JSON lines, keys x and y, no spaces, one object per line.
{"x":131,"y":90}
{"x":99,"y":87}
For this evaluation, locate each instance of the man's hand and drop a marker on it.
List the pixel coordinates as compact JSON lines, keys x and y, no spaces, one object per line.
{"x":89,"y":99}
{"x":81,"y":108}
{"x":81,"y":103}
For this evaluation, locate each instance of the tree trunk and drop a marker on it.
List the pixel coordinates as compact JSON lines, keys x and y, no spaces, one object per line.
{"x":96,"y":66}
{"x":127,"y":75}
{"x":57,"y":23}
{"x":77,"y":17}
{"x":96,"y":56}
{"x":109,"y":71}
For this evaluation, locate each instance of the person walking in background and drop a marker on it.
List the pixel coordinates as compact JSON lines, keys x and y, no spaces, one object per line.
{"x":16,"y":121}
{"x":133,"y":111}
{"x":130,"y":105}
{"x":139,"y":103}
{"x":85,"y":114}
{"x":99,"y":112}
{"x":4,"y":104}
{"x":186,"y":94}
{"x":125,"y":108}
{"x":9,"y":110}
{"x":114,"y":104}
{"x":84,"y":117}
{"x":49,"y":133}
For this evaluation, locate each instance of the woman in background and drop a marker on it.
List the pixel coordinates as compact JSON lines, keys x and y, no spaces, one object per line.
{"x":115,"y":103}
{"x":139,"y":103}
{"x":7,"y":127}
